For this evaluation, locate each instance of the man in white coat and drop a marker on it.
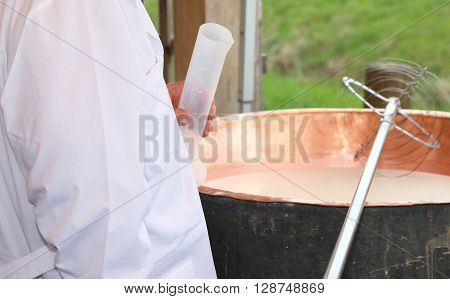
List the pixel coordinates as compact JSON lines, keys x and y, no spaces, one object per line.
{"x":76,"y":200}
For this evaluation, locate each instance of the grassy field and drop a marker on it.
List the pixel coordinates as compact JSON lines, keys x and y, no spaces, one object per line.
{"x":152,"y":8}
{"x":308,"y":40}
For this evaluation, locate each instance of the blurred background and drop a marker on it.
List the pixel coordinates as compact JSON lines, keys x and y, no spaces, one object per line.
{"x":304,"y":47}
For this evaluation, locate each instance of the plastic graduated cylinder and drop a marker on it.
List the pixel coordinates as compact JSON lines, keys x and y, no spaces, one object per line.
{"x":211,"y":48}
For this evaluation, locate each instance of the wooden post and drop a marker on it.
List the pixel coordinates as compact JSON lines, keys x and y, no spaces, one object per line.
{"x":227,"y":13}
{"x":258,"y":103}
{"x":188,"y":16}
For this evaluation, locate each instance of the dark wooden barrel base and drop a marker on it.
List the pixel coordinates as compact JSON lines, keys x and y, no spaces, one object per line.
{"x":287,"y":240}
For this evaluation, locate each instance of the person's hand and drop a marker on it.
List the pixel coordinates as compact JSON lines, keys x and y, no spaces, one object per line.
{"x":183,"y":115}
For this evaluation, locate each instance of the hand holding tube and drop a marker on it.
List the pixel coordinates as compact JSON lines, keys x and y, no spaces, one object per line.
{"x":183,"y":115}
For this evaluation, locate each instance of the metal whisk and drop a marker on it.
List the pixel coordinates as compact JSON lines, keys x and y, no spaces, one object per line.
{"x":392,"y":108}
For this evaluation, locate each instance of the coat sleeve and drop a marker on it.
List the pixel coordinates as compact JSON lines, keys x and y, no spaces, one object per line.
{"x":73,"y":126}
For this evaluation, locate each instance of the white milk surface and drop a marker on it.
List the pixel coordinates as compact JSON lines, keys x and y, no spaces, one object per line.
{"x":338,"y":185}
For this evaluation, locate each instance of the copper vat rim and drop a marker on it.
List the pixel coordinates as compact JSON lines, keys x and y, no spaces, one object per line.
{"x":267,"y":199}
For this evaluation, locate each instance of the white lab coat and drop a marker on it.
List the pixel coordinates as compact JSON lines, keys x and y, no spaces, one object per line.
{"x":75,"y":75}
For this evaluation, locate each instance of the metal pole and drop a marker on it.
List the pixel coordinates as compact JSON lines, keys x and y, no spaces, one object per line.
{"x":248,"y":55}
{"x":343,"y":245}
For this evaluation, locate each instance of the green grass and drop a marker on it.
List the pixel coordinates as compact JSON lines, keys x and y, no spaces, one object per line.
{"x":152,"y":8}
{"x":281,"y":92}
{"x":307,"y":40}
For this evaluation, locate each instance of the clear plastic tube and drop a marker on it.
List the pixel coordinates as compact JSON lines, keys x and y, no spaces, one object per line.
{"x":211,"y":48}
